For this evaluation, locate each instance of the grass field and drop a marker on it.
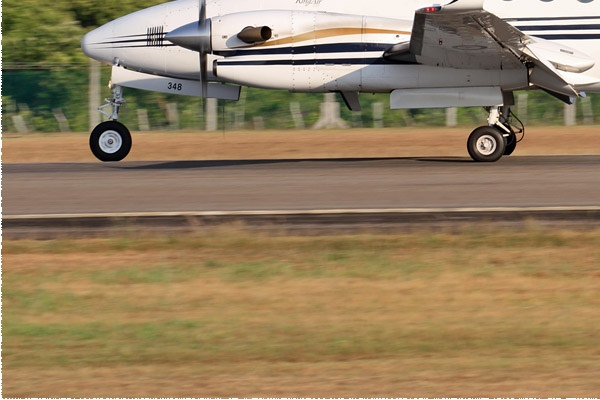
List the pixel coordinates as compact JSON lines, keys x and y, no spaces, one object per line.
{"x":229,"y":313}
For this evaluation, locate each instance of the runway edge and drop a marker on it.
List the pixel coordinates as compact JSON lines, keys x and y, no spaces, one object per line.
{"x":299,"y":221}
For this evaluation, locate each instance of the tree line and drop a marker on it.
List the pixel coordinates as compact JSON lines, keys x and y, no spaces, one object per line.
{"x":49,"y":31}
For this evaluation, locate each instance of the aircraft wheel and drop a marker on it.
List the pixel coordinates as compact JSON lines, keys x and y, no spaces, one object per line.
{"x":110,"y":141}
{"x":486,"y":144}
{"x":511,"y":144}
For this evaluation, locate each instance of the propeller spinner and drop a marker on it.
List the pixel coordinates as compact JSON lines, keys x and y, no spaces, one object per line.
{"x":196,"y":36}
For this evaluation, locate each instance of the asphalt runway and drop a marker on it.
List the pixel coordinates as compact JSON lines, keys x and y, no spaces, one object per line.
{"x":303,"y":184}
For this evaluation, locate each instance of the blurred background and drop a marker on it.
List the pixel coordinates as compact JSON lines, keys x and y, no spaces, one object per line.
{"x":49,"y":85}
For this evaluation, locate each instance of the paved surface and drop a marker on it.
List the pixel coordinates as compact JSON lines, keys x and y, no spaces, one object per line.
{"x":392,"y":183}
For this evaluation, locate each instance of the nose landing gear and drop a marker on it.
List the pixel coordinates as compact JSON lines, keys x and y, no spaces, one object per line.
{"x":111,"y":140}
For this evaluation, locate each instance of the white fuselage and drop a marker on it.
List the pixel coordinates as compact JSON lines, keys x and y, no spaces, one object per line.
{"x":332,"y":45}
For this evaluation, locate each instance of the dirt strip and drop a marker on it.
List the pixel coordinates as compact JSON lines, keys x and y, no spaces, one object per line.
{"x":390,"y":142}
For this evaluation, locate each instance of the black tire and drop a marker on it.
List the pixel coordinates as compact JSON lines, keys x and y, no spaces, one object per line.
{"x":486,"y":144}
{"x":511,"y":144}
{"x":110,"y":141}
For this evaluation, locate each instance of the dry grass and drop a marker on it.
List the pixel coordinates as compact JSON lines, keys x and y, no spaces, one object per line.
{"x":403,"y":142}
{"x":232,"y":314}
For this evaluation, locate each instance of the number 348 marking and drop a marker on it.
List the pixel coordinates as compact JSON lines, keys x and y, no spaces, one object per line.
{"x":174,"y":86}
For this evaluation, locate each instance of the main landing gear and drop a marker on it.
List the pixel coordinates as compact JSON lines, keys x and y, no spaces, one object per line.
{"x":111,"y":140}
{"x":499,"y":138}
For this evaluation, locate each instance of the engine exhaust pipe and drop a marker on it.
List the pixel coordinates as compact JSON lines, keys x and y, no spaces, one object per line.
{"x":251,"y":34}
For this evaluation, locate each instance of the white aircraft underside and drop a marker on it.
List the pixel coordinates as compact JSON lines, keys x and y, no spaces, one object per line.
{"x":461,"y":53}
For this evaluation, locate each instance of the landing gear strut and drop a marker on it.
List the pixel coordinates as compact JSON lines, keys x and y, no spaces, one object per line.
{"x":111,"y":140}
{"x":499,"y":138}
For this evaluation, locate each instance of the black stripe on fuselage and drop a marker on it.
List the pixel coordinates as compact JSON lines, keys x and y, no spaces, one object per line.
{"x":570,"y":36}
{"x":559,"y":27}
{"x":560,"y":31}
{"x":325,"y":61}
{"x":319,"y":48}
{"x":135,"y":41}
{"x":548,"y":19}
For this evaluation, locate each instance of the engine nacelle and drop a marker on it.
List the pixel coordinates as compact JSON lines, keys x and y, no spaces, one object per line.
{"x":308,"y":51}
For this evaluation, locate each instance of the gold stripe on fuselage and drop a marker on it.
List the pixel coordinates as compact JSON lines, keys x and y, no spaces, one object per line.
{"x":328,"y":33}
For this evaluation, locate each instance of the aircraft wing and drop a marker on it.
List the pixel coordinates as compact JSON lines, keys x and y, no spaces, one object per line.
{"x":463,"y":35}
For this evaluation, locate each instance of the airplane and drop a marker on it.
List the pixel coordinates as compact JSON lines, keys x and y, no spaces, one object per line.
{"x":460,"y":53}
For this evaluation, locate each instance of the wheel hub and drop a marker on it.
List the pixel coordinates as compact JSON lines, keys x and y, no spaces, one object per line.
{"x":110,"y":142}
{"x":486,"y":145}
